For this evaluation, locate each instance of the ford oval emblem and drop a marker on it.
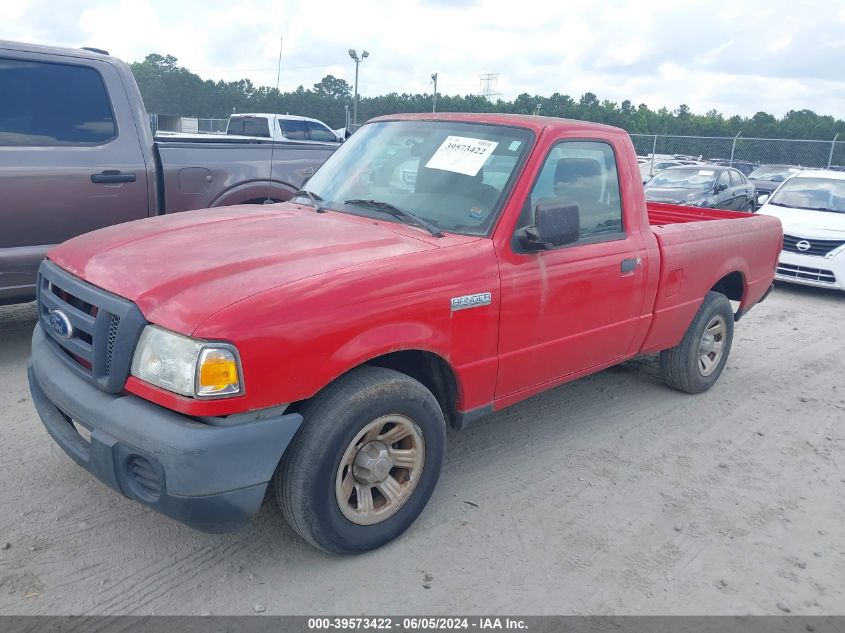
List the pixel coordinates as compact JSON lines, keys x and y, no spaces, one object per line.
{"x":61,"y":324}
{"x":803,"y":245}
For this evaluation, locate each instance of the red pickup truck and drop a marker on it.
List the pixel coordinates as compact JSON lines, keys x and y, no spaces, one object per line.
{"x":323,"y":344}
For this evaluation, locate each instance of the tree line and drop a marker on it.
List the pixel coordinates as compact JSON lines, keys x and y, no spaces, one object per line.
{"x":168,"y":88}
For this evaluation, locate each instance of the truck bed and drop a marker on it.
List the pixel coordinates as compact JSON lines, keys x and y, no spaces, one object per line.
{"x":660,"y":214}
{"x":729,"y":241}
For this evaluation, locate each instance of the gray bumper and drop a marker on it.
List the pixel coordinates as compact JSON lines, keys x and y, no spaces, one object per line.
{"x":211,"y":477}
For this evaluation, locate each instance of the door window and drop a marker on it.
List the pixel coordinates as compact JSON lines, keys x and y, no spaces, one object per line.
{"x":293,"y":129}
{"x":724,"y":180}
{"x":249,"y":126}
{"x":737,"y":178}
{"x":582,"y":173}
{"x":43,"y":104}
{"x":320,"y":132}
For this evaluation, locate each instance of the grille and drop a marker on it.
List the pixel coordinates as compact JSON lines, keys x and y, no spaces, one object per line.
{"x":818,"y":248}
{"x":803,"y":272}
{"x":114,"y":323}
{"x":144,"y":477}
{"x":93,"y":331}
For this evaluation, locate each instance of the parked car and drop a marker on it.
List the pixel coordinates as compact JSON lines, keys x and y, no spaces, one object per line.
{"x":77,"y":154}
{"x":324,"y":344}
{"x":743,"y":166}
{"x":648,"y":169}
{"x":767,"y":178}
{"x":702,"y":186}
{"x":811,"y":206}
{"x":282,"y":127}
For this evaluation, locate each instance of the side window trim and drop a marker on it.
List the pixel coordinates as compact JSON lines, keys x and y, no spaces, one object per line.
{"x":594,"y":239}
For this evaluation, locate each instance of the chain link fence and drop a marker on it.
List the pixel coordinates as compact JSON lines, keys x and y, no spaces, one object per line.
{"x":187,"y":125}
{"x":743,"y":153}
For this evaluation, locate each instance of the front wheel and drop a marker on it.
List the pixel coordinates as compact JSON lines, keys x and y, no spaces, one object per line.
{"x":364,"y":463}
{"x":694,"y":364}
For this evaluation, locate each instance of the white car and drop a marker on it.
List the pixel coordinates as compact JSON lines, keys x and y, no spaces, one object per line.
{"x":811,"y":207}
{"x":281,"y":127}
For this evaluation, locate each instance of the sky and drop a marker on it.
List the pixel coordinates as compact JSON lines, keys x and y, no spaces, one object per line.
{"x":737,"y":57}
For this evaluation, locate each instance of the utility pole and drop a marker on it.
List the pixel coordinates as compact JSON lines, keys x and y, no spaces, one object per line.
{"x":434,"y":100}
{"x":537,"y":110}
{"x":733,"y":147}
{"x":357,"y":61}
{"x":832,"y":147}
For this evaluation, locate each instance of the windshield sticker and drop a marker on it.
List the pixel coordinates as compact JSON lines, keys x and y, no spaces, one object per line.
{"x":462,"y":155}
{"x":514,"y":146}
{"x":476,"y":213}
{"x":705,"y":172}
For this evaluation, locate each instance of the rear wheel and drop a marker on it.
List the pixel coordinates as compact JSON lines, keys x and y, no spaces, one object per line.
{"x":365,"y":462}
{"x":696,"y":363}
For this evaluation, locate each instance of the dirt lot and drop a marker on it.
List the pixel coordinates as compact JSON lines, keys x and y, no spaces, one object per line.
{"x":609,"y":495}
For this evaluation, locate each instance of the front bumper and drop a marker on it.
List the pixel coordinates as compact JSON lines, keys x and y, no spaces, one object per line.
{"x":808,"y":270}
{"x":210,"y":476}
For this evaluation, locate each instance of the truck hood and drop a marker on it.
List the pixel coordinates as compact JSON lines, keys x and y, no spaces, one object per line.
{"x":180,"y":269}
{"x":821,"y":225}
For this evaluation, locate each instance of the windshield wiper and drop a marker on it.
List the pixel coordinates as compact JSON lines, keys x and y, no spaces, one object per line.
{"x":314,"y":198}
{"x":396,"y":212}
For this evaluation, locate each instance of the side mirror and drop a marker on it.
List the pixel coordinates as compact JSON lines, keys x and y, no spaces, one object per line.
{"x":554,"y":225}
{"x":720,"y":188}
{"x":761,"y":199}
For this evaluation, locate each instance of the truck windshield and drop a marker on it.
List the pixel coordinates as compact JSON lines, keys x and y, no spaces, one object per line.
{"x":454,"y":175}
{"x":814,"y":194}
{"x":694,"y":178}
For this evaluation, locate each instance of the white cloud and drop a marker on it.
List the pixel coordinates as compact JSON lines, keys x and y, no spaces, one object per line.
{"x":770,"y":55}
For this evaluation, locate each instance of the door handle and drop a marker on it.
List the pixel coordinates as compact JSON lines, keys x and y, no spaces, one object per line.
{"x":631,"y":264}
{"x":111,"y":176}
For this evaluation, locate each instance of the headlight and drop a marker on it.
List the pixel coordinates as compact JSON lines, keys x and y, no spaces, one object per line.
{"x":186,"y":366}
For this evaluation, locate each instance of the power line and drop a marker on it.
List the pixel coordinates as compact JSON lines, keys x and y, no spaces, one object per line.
{"x":259,"y":70}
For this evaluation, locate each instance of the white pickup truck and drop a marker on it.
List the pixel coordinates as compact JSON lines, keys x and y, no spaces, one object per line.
{"x":281,"y":127}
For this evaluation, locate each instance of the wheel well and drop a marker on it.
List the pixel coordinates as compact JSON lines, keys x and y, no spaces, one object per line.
{"x":426,"y":367}
{"x":431,"y":370}
{"x":731,"y":285}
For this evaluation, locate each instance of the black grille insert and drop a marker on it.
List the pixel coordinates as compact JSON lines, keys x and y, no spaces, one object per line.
{"x":816,"y":248}
{"x":803,"y":272}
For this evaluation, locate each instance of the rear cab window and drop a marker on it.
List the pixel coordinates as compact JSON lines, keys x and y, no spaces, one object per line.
{"x":48,"y":104}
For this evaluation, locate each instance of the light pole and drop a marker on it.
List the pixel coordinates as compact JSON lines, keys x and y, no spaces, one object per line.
{"x":434,"y":102}
{"x":357,"y":61}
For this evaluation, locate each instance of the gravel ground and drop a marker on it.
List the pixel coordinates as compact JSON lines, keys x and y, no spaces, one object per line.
{"x":609,"y":495}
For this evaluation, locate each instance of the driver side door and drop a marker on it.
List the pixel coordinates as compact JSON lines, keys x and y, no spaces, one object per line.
{"x":576,"y":306}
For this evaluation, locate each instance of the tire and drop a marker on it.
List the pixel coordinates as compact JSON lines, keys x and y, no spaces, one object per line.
{"x":750,"y":207}
{"x":684,"y":367}
{"x":342,"y":509}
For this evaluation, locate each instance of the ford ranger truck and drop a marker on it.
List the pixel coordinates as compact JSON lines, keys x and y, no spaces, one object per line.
{"x":322,"y":345}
